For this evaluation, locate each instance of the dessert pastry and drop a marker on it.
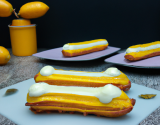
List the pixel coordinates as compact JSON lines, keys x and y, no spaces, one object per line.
{"x":81,"y":48}
{"x":81,"y":78}
{"x":107,"y":101}
{"x":143,"y":51}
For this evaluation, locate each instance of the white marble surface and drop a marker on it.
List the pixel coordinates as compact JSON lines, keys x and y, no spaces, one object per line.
{"x":22,"y":68}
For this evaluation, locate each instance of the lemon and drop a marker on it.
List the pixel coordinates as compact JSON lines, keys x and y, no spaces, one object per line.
{"x":6,"y":8}
{"x":4,"y":55}
{"x":33,"y":10}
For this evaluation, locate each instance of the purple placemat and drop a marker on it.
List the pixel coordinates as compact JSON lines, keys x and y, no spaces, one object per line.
{"x":56,"y":54}
{"x":153,"y":62}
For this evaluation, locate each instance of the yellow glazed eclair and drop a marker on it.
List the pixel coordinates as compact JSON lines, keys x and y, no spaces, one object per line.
{"x":82,"y":78}
{"x":107,"y":101}
{"x":143,"y":51}
{"x":81,"y":48}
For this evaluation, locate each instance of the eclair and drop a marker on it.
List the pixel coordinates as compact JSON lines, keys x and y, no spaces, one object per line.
{"x":112,"y":76}
{"x":81,"y":48}
{"x":108,"y":101}
{"x":143,"y":51}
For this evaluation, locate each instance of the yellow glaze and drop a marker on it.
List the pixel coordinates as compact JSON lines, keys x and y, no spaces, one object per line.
{"x":87,"y":42}
{"x":144,"y":53}
{"x":121,"y":79}
{"x":118,"y":102}
{"x":145,"y":45}
{"x":84,"y":49}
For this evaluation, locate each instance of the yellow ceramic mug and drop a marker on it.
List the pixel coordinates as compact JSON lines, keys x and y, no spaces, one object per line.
{"x":23,"y":38}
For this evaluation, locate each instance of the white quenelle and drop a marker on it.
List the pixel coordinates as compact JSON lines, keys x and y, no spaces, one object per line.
{"x":47,"y":71}
{"x":110,"y":72}
{"x":104,"y":94}
{"x":82,"y":46}
{"x":129,"y":50}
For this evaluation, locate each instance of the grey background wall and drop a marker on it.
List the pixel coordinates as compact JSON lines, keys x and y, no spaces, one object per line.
{"x":122,"y":22}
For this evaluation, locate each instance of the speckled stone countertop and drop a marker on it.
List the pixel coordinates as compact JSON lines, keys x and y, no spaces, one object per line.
{"x":22,"y":68}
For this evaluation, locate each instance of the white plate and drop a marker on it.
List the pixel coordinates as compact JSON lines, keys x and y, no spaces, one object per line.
{"x":13,"y":107}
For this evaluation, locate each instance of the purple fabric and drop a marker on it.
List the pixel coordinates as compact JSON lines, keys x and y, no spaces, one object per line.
{"x":150,"y":62}
{"x":56,"y":54}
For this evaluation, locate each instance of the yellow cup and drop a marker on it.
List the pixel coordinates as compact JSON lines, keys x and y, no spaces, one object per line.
{"x":23,"y":40}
